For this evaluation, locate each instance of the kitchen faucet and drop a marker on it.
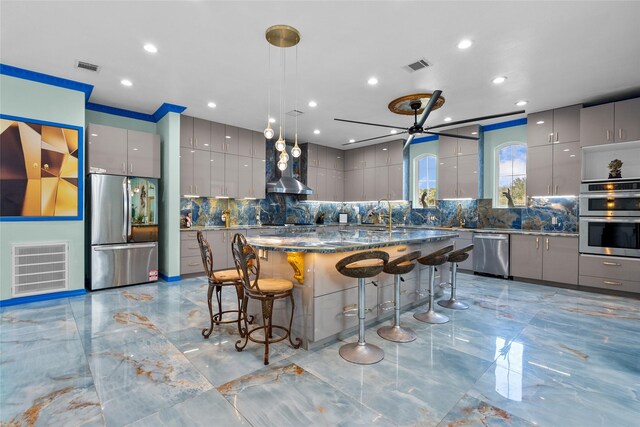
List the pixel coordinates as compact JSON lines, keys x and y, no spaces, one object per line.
{"x":226,"y":216}
{"x":390,"y":216}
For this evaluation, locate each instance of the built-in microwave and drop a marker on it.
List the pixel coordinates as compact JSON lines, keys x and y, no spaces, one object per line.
{"x":610,"y":236}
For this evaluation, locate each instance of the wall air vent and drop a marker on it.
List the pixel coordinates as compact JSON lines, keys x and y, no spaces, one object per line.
{"x":418,"y":65}
{"x":39,"y":268}
{"x":87,"y":66}
{"x":294,"y":113}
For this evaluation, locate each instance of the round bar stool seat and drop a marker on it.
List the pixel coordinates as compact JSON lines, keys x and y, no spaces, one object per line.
{"x":432,"y":260}
{"x":456,"y":257}
{"x":361,"y":266}
{"x":397,"y":267}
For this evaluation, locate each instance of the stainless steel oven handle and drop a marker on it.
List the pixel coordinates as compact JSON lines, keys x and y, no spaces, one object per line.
{"x":611,"y":219}
{"x":617,"y":195}
{"x":609,"y":282}
{"x":614,"y":264}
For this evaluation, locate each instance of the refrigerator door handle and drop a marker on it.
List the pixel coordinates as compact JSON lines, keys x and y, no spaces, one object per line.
{"x":129,"y":208}
{"x":125,"y":207}
{"x":120,"y":247}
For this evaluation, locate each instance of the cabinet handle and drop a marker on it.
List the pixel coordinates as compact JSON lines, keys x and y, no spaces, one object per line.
{"x":124,"y":167}
{"x":196,"y":188}
{"x":190,"y":142}
{"x":609,"y":282}
{"x":195,"y":141}
{"x":608,"y":135}
{"x":227,"y":147}
{"x":549,"y":189}
{"x":549,"y":137}
{"x":190,"y":189}
{"x":547,"y":243}
{"x":557,"y":137}
{"x":614,"y":264}
{"x":620,"y":134}
{"x":131,"y":167}
{"x":537,"y":243}
{"x":556,"y":189}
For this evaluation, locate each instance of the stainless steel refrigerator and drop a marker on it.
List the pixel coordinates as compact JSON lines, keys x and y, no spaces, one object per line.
{"x":123,"y":224}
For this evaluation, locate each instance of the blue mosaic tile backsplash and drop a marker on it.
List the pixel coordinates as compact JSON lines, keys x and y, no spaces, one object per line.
{"x":288,"y":209}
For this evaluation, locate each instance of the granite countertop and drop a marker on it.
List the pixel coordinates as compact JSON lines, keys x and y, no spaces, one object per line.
{"x":343,"y":240}
{"x":495,"y":230}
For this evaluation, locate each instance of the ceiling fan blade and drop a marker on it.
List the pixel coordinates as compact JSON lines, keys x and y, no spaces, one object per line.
{"x":377,"y":137}
{"x":475,"y":119}
{"x":425,"y":114}
{"x":369,"y":124}
{"x":474,"y":138}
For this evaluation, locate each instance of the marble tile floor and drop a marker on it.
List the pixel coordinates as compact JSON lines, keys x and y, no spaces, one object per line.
{"x":522,"y":355}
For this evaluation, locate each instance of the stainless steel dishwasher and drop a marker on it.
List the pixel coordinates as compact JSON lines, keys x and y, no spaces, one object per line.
{"x":491,"y":254}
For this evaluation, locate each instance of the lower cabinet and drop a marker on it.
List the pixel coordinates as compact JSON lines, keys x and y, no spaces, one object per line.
{"x":464,"y":239}
{"x":609,"y":272}
{"x":338,"y":311}
{"x":549,"y":258}
{"x":220,"y":242}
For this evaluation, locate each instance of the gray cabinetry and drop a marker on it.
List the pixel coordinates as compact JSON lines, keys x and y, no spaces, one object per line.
{"x":448,"y":145}
{"x":195,"y":169}
{"x":613,"y":122}
{"x":369,"y":187}
{"x":231,"y":171}
{"x":107,"y":149}
{"x":468,"y":147}
{"x":143,"y":154}
{"x":554,"y":126}
{"x":468,"y":176}
{"x":323,"y":163}
{"x":381,"y":184}
{"x":448,"y":178}
{"x":395,"y":182}
{"x":354,"y":159}
{"x":540,"y":170}
{"x":458,"y":164}
{"x":354,"y":184}
{"x":217,"y":175}
{"x":245,"y":175}
{"x":369,"y":156}
{"x":259,"y":146}
{"x":218,"y":140}
{"x":119,"y":151}
{"x":549,"y":258}
{"x":195,"y":133}
{"x":526,"y":256}
{"x":258,"y":181}
{"x":464,"y":239}
{"x":566,"y":168}
{"x":231,"y":137}
{"x":245,"y":143}
{"x":389,"y":153}
{"x":610,"y":272}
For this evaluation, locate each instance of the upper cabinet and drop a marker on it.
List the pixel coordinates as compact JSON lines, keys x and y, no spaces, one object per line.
{"x":613,"y":122}
{"x":458,"y":163}
{"x":453,"y":146}
{"x":123,"y":152}
{"x":195,"y":133}
{"x":554,"y":126}
{"x":389,"y":153}
{"x":325,"y":173}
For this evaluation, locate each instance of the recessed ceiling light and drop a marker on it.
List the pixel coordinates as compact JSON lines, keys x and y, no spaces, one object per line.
{"x":372,"y":81}
{"x":499,"y":79}
{"x":572,"y":155}
{"x":313,"y":104}
{"x":272,"y":120}
{"x":522,"y":103}
{"x":227,"y":136}
{"x":352,"y":140}
{"x":150,"y":48}
{"x":540,"y":122}
{"x":447,"y":119}
{"x":317,"y":131}
{"x":465,"y":44}
{"x":384,"y":149}
{"x":211,"y":105}
{"x":393,"y":131}
{"x":566,"y":149}
{"x":125,"y":82}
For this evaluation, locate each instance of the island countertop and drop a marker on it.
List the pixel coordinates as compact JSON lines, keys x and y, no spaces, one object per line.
{"x":344,"y":240}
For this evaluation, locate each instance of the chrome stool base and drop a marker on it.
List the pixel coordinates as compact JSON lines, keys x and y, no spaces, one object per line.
{"x":431,"y":317}
{"x":397,"y":334}
{"x":361,"y":353}
{"x":453,"y":304}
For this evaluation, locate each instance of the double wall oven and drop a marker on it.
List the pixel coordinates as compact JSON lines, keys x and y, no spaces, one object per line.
{"x":610,"y":218}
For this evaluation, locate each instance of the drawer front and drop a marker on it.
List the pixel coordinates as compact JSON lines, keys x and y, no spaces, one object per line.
{"x":189,"y":248}
{"x":614,"y":268}
{"x":328,"y":317}
{"x":191,"y":264}
{"x":618,"y":285}
{"x":188,"y":235}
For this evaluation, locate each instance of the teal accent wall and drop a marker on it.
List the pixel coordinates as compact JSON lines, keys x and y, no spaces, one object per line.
{"x":493,"y":139}
{"x":100,"y":118}
{"x":415,"y":150}
{"x":29,"y":99}
{"x":169,"y":206}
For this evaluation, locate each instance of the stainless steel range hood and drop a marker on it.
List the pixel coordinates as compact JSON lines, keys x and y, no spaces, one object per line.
{"x":287,"y":184}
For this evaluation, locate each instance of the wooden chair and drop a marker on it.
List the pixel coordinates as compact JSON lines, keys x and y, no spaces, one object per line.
{"x":218,"y":280}
{"x":265,"y":290}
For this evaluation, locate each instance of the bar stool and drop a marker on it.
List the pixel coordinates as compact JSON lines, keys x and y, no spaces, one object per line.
{"x":454,"y":258}
{"x":434,"y":259}
{"x":265,"y":290}
{"x":398,"y":266}
{"x":217,"y":280}
{"x":361,"y":266}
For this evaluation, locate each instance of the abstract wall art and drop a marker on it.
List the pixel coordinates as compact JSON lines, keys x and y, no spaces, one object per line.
{"x":40,"y":169}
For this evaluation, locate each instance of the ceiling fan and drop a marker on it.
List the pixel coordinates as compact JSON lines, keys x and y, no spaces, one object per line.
{"x":412,"y":104}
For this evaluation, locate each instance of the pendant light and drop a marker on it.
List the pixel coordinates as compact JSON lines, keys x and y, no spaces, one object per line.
{"x":268,"y":132}
{"x":296,"y":151}
{"x":283,"y":36}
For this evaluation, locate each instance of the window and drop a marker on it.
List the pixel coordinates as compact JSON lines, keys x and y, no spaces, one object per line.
{"x":511,"y":162}
{"x":425,"y":188}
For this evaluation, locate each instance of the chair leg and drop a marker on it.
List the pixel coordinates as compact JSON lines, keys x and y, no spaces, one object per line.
{"x":245,"y":333}
{"x":267,"y":315}
{"x":431,"y":316}
{"x":396,"y":333}
{"x":218,"y":316}
{"x":206,"y":333}
{"x":241,"y":314}
{"x":452,"y":302}
{"x":298,"y":340}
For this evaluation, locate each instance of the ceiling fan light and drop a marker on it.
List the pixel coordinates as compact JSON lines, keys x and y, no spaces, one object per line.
{"x":268,"y":132}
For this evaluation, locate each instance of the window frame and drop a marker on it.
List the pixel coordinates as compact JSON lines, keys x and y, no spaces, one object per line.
{"x":416,"y":182}
{"x":496,"y":175}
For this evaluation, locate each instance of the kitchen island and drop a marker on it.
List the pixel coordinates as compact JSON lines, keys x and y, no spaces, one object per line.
{"x":326,"y":301}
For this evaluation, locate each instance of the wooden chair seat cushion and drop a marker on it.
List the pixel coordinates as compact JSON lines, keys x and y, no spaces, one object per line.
{"x":224,"y":276}
{"x":274,"y":285}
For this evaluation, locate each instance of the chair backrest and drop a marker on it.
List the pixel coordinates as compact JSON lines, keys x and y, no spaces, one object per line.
{"x":403,"y":264}
{"x":460,"y":254}
{"x":438,"y":257}
{"x":363,"y":264}
{"x":207,"y":255}
{"x":247,"y":262}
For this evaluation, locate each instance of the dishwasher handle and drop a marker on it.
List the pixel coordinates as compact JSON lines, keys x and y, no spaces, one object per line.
{"x":491,"y":237}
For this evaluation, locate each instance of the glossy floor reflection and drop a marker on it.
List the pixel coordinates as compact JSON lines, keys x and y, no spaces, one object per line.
{"x":521,"y":355}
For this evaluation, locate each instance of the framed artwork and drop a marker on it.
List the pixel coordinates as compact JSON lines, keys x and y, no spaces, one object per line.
{"x":41,"y":170}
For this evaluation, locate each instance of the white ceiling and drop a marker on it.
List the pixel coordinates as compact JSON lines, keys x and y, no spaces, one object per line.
{"x":553,"y":53}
